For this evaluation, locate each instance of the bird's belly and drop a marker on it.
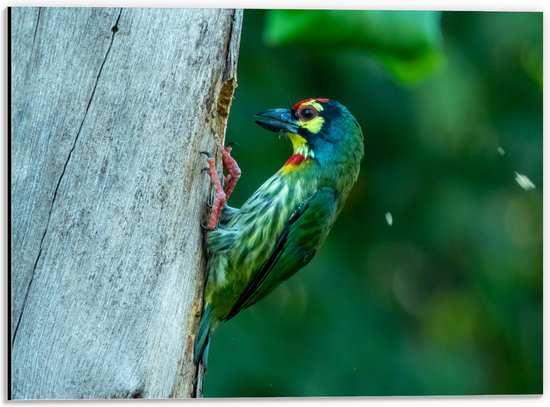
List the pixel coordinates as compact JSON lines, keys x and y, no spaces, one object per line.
{"x":253,"y":246}
{"x":260,"y":223}
{"x":251,"y":250}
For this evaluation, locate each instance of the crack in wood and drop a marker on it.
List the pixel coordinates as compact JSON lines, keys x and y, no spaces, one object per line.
{"x":36,"y":26}
{"x":228,"y":51}
{"x":61,"y":176}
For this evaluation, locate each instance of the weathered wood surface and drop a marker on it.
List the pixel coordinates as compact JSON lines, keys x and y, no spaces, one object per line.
{"x":110,"y":108}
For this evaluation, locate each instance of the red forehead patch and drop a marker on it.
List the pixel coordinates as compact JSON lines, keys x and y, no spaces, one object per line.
{"x":297,"y":105}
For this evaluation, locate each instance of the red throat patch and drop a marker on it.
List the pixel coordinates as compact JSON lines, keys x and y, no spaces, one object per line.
{"x":295,"y":159}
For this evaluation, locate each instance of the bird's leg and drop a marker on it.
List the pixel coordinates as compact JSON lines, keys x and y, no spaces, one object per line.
{"x":221,"y":197}
{"x":230,"y":180}
{"x":234,"y":172}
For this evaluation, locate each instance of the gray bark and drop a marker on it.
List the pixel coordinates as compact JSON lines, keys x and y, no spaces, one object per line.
{"x":110,"y":108}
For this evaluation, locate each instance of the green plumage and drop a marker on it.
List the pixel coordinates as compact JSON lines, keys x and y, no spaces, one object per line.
{"x":280,"y":227}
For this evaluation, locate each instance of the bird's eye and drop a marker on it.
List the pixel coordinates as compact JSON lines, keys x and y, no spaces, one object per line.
{"x":306,"y":113}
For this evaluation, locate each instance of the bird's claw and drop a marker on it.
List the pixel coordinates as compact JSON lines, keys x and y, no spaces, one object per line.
{"x":205,"y":227}
{"x":205,"y":169}
{"x":221,"y":194}
{"x":232,"y":143}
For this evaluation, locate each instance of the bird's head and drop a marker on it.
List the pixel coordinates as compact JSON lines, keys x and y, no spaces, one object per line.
{"x":318,"y":128}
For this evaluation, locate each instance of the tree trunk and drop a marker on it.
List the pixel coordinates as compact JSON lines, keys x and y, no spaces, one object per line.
{"x":109,"y":109}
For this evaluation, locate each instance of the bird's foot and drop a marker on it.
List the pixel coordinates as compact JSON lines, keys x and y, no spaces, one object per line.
{"x":234,"y":172}
{"x":221,"y":197}
{"x":204,"y":226}
{"x":230,"y":180}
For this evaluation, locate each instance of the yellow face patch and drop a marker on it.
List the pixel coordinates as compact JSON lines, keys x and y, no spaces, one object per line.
{"x":315,"y":124}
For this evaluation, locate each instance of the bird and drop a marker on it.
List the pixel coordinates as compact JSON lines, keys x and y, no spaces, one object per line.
{"x":278,"y":230}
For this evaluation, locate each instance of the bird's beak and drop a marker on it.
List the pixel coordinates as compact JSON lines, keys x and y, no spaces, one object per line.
{"x":280,"y":120}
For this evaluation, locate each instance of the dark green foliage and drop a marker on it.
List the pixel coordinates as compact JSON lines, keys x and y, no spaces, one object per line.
{"x":447,"y":300}
{"x":407,"y":43}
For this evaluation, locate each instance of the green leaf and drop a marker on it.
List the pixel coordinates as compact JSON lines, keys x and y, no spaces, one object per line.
{"x":407,"y":43}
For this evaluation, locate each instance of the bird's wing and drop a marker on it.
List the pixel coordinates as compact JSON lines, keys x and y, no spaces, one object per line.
{"x":303,"y":234}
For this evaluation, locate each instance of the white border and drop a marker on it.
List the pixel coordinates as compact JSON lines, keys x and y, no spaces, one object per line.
{"x":477,"y":5}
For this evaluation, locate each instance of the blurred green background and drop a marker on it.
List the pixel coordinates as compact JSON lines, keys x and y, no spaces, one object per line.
{"x":447,"y":300}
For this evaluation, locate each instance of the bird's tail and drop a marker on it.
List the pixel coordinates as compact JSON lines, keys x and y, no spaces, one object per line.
{"x":202,"y":339}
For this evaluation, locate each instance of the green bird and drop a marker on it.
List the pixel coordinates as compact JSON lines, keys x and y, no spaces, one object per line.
{"x":278,"y":230}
